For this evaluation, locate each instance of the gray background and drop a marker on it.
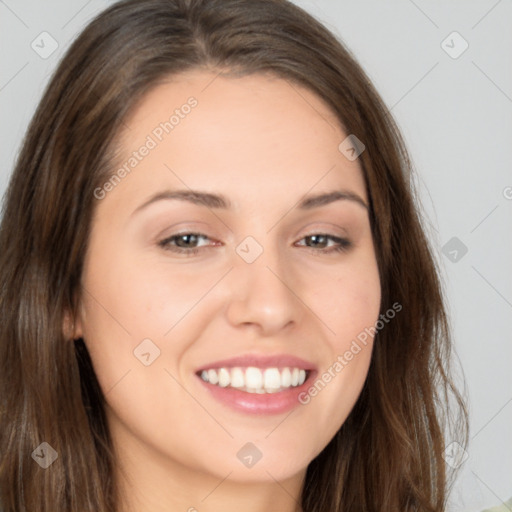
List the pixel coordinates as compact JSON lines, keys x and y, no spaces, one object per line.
{"x":455,"y":114}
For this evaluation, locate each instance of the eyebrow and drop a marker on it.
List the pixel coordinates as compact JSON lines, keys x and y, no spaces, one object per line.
{"x":219,"y":201}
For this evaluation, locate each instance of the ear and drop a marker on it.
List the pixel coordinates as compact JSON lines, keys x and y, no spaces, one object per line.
{"x":72,"y":325}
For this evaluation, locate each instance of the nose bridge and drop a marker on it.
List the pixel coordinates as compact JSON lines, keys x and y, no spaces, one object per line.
{"x":262,"y":294}
{"x":261,"y":267}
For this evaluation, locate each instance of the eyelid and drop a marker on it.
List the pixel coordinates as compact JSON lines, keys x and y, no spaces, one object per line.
{"x":320,"y":228}
{"x":186,"y":227}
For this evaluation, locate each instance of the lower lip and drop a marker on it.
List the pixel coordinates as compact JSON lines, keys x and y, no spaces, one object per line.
{"x":255,"y":403}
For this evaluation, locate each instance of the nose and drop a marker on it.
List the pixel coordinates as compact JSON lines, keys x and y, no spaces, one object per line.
{"x":262,"y":295}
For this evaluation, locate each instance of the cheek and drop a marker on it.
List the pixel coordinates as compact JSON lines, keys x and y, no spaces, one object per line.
{"x":138,"y":298}
{"x":128,"y":301}
{"x":348,"y":305}
{"x":348,"y":300}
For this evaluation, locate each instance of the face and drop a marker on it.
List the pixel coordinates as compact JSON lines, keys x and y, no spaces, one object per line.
{"x":231,"y":260}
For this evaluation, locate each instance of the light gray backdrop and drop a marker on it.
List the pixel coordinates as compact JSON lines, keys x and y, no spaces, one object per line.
{"x":444,"y":67}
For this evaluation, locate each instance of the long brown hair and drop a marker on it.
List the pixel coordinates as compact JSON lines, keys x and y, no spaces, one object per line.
{"x":388,"y":455}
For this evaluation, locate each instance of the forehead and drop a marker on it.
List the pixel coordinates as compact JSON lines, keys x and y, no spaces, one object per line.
{"x":241,"y":136}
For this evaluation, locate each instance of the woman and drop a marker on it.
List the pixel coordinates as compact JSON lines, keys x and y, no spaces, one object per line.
{"x":216,"y":290}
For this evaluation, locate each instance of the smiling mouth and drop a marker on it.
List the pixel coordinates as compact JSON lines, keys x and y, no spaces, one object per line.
{"x":255,"y":380}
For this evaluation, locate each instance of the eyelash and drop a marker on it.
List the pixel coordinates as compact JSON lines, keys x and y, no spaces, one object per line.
{"x":344,"y":244}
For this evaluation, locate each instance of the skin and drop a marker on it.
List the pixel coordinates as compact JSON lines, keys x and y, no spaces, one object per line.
{"x":263,"y":144}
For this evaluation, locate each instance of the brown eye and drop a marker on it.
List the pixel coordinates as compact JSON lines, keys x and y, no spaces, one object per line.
{"x":183,"y":242}
{"x":320,"y":241}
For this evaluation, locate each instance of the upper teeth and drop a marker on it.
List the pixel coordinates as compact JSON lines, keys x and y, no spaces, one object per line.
{"x":255,"y":380}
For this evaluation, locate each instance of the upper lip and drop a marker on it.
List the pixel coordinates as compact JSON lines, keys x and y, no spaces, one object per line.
{"x":260,"y":361}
